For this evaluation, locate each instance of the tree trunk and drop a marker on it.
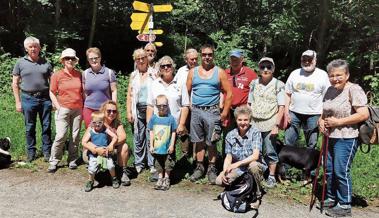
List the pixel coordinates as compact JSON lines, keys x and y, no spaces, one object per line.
{"x":322,"y":31}
{"x":93,"y":23}
{"x":57,"y":13}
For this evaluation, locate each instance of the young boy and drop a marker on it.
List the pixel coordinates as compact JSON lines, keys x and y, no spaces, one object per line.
{"x":95,"y":139}
{"x":162,"y":134}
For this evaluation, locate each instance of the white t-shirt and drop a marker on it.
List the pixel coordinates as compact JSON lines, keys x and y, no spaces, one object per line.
{"x":177,"y":96}
{"x":181,"y":76}
{"x":307,"y":90}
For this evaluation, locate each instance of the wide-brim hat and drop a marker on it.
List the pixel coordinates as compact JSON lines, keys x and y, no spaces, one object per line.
{"x":68,"y":52}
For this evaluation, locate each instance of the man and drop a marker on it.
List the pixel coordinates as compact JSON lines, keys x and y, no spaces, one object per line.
{"x":205,"y":83}
{"x":31,"y":76}
{"x":190,"y":58}
{"x":239,"y":77}
{"x":151,"y":52}
{"x":305,"y":88}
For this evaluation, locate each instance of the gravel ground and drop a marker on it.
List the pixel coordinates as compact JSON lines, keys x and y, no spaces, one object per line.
{"x":26,"y":193}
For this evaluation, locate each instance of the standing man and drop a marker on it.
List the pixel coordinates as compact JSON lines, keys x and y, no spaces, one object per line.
{"x":205,"y":83}
{"x":305,"y":88}
{"x":31,"y":76}
{"x":239,"y":77}
{"x":151,"y":51}
{"x":190,"y":58}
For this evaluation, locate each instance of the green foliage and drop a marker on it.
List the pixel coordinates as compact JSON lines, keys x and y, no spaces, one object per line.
{"x":6,"y":67}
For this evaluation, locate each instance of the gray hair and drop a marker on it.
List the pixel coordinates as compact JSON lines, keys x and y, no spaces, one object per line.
{"x":31,"y":40}
{"x":169,"y":59}
{"x":137,"y":52}
{"x":152,"y":45}
{"x":244,"y":109}
{"x":189,"y":51}
{"x":338,"y":64}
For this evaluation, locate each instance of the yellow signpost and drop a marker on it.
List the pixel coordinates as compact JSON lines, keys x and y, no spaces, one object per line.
{"x":143,"y":22}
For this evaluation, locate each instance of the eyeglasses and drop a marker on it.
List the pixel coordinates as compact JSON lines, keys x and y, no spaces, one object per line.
{"x":140,"y":58}
{"x":262,"y":67}
{"x":97,"y":123}
{"x":162,"y":106}
{"x":93,"y":59}
{"x":207,"y":54}
{"x":336,"y":77}
{"x":164,"y":66}
{"x":69,"y":58}
{"x":109,"y":111}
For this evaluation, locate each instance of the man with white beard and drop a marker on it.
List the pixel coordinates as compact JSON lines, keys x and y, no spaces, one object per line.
{"x":305,"y":89}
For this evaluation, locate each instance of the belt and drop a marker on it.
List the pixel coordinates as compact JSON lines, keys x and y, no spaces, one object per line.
{"x":37,"y":93}
{"x":206,"y":107}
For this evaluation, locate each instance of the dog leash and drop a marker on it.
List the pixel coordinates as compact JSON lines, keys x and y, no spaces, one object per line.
{"x":323,"y":155}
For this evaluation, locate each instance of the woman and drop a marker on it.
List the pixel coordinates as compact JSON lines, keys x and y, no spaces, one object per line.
{"x":266,"y":98}
{"x":136,"y":107}
{"x":67,"y":98}
{"x":99,"y":83}
{"x":113,"y":122}
{"x":243,"y":151}
{"x":344,"y":107}
{"x":177,"y":96}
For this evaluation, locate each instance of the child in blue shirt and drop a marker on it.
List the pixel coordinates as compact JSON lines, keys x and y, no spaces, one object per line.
{"x":95,"y":139}
{"x":162,"y":141}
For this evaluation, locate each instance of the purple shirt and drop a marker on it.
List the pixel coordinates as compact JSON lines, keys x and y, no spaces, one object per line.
{"x":97,"y":87}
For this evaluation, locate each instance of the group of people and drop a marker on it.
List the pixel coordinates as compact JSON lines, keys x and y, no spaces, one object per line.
{"x":198,"y":106}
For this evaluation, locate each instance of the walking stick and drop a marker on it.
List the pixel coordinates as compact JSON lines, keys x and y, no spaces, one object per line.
{"x":323,"y":153}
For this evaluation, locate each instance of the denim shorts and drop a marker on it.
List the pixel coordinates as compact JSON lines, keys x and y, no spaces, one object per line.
{"x":205,"y":125}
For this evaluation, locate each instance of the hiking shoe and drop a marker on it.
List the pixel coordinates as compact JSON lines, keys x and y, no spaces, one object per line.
{"x":339,"y":211}
{"x":52,"y":168}
{"x":328,"y":203}
{"x":197,"y":173}
{"x":270,"y":182}
{"x":72,"y":165}
{"x":154,"y":176}
{"x":89,"y":186}
{"x":115,"y":183}
{"x":166,"y":184}
{"x":212,"y":174}
{"x":159,"y":184}
{"x":139,"y":169}
{"x":125,"y":181}
{"x":30,"y":158}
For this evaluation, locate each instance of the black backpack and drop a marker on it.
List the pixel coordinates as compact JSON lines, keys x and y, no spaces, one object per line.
{"x":369,"y":130}
{"x":238,"y":196}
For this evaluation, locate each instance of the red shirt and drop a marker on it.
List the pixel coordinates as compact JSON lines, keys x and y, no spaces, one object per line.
{"x":68,"y":89}
{"x":240,"y":85}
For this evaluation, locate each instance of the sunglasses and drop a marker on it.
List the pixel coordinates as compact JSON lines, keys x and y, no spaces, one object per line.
{"x":93,"y":59}
{"x":162,"y":106}
{"x":97,"y":123}
{"x":164,"y":66}
{"x":69,"y":58}
{"x":262,"y":67}
{"x":207,"y":54}
{"x":109,"y":111}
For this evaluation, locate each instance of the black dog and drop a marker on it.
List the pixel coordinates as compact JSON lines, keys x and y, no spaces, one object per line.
{"x":301,"y":158}
{"x":5,"y":157}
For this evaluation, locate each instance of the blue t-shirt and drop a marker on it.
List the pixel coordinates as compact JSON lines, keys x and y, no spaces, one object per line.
{"x":162,"y":128}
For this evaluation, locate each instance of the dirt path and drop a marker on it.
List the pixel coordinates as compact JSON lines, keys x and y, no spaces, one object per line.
{"x":24,"y":193}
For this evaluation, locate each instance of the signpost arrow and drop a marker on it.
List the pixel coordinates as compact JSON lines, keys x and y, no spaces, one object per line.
{"x":138,"y":26}
{"x":139,"y":17}
{"x":146,"y":37}
{"x":141,"y":6}
{"x":156,"y":32}
{"x":158,"y":44}
{"x":162,"y":8}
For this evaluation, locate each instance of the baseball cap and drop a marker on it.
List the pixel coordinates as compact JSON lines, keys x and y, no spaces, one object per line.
{"x":266,"y":59}
{"x":236,"y":53}
{"x":309,"y":53}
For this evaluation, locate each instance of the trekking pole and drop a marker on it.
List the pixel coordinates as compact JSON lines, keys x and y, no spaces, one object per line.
{"x":324,"y":172}
{"x":314,"y":188}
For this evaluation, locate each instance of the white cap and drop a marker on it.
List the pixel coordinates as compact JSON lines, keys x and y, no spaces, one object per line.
{"x":68,"y":52}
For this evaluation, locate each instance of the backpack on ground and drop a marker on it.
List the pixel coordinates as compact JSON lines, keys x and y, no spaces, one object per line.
{"x":238,"y":196}
{"x":369,"y":130}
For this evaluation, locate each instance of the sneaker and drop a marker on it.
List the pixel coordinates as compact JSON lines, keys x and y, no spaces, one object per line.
{"x":270,"y":182}
{"x":339,"y":211}
{"x":139,"y":169}
{"x":89,"y":186}
{"x":46,"y":157}
{"x":52,"y":168}
{"x":115,"y":183}
{"x":212,"y":174}
{"x":154,"y":176}
{"x":159,"y":184}
{"x":328,"y":203}
{"x":166,"y":184}
{"x":125,"y":181}
{"x":72,"y":165}
{"x":197,"y":173}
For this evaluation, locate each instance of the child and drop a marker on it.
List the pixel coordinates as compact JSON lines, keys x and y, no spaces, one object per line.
{"x":162,"y":134}
{"x":96,"y":141}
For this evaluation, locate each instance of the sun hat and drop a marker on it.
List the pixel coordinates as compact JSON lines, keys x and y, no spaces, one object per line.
{"x":68,"y":52}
